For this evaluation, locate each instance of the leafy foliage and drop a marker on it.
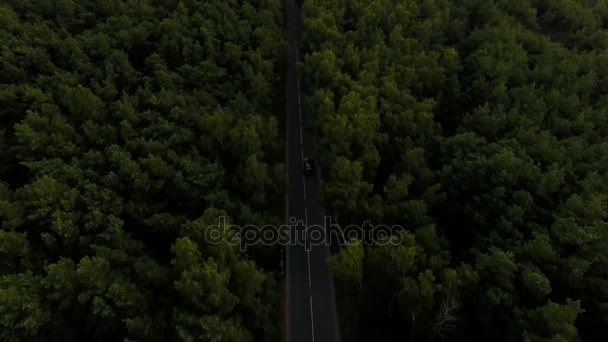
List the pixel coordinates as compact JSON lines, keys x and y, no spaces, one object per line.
{"x":487,"y":121}
{"x":128,"y":128}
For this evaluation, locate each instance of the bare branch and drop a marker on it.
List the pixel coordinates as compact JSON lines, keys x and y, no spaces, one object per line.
{"x":446,"y":319}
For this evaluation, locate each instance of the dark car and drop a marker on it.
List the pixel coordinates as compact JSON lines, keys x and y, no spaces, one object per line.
{"x":281,"y":271}
{"x":309,"y":166}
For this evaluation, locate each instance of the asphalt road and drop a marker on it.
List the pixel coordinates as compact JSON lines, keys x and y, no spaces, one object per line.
{"x":311,"y":304}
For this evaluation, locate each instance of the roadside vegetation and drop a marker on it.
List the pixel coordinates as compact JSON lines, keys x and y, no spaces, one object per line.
{"x":127,"y":128}
{"x":480,"y":127}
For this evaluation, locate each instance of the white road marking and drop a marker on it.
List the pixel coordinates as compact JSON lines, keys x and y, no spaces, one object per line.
{"x":301,"y":132}
{"x":312,"y":321}
{"x":303,"y":178}
{"x":309,"y":276}
{"x":307,"y":252}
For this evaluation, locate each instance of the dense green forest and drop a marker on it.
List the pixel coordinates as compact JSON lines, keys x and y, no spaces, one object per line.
{"x":127,"y":128}
{"x":481,"y":127}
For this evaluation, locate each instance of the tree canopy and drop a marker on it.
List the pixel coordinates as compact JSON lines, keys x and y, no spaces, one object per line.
{"x":480,"y":127}
{"x":128,"y":128}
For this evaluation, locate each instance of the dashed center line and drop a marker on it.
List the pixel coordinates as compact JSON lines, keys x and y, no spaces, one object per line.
{"x":308,"y":251}
{"x":309,"y":274}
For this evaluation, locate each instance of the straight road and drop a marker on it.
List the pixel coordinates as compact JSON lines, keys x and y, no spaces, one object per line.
{"x":311,"y":304}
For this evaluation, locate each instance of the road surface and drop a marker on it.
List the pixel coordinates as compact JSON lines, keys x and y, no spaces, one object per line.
{"x":311,"y":305}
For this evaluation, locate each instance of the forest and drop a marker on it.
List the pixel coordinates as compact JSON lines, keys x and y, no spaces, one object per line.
{"x":127,"y":128}
{"x":481,"y":128}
